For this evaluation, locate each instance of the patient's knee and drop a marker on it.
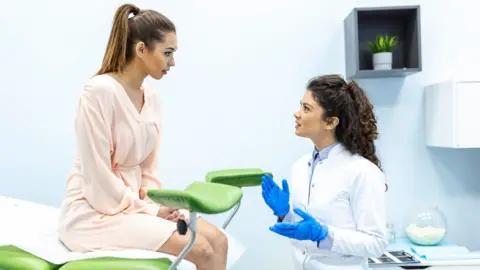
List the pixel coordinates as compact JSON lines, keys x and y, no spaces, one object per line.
{"x":221,"y":242}
{"x":202,"y":251}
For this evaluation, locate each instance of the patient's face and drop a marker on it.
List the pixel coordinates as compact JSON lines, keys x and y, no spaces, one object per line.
{"x":309,"y":121}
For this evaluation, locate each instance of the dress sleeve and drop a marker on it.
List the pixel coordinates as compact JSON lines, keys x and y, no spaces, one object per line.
{"x":105,"y":191}
{"x":150,"y":179}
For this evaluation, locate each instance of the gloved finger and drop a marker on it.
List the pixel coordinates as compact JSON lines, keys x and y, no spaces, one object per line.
{"x":285,"y":187}
{"x":286,"y":226}
{"x":269,"y":181}
{"x":302,"y":213}
{"x":265,"y":196}
{"x":265,"y":187}
{"x":287,"y":233}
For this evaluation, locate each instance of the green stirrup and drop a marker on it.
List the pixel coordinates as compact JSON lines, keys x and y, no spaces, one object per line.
{"x":237,"y":177}
{"x":250,"y":177}
{"x":200,"y":197}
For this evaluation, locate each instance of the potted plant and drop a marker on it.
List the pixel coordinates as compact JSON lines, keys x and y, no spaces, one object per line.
{"x":382,"y":51}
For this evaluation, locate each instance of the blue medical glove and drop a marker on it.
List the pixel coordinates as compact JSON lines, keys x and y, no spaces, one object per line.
{"x":307,"y":229}
{"x":277,"y":199}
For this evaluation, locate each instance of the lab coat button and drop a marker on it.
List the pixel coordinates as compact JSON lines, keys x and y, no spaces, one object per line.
{"x":313,"y":185}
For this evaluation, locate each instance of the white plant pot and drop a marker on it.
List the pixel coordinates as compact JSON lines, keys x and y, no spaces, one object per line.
{"x":382,"y":61}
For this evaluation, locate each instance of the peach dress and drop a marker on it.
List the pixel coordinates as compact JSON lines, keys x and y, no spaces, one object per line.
{"x":116,"y":158}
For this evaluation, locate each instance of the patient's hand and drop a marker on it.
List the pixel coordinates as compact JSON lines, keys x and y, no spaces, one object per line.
{"x":169,"y":213}
{"x":187,"y":219}
{"x":142,"y":194}
{"x":175,"y":216}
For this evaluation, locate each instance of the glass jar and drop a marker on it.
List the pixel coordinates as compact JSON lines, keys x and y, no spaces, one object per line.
{"x":426,"y":226}
{"x":391,"y":233}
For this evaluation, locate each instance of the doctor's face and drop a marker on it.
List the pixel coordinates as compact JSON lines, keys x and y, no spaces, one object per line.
{"x":309,"y":120}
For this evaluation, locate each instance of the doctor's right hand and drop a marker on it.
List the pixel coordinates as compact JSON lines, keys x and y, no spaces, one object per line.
{"x":277,"y":199}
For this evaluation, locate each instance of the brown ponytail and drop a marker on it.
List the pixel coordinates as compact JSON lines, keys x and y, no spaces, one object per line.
{"x":365,"y":133}
{"x":114,"y":59}
{"x":357,"y":128}
{"x":148,"y":26}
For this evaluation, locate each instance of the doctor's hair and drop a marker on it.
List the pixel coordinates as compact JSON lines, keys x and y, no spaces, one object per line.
{"x":357,"y":127}
{"x":148,"y":26}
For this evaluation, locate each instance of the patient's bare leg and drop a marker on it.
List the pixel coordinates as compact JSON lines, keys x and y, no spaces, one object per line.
{"x":201,"y":254}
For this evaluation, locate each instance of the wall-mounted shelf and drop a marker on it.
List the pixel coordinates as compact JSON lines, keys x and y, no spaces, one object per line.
{"x":363,"y":25}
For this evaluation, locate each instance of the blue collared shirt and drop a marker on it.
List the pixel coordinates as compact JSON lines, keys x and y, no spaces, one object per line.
{"x":318,"y":156}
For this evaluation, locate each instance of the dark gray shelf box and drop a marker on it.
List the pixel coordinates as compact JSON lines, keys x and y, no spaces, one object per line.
{"x":364,"y":24}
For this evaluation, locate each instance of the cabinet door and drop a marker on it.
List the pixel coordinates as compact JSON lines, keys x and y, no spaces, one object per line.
{"x":468,"y":113}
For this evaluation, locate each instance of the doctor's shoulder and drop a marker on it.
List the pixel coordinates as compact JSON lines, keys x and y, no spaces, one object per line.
{"x":366,"y":171}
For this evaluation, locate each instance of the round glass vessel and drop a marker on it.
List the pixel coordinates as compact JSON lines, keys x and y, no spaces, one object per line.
{"x":426,"y":227}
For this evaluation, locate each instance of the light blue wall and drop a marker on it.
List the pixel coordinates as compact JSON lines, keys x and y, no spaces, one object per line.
{"x":230,"y":101}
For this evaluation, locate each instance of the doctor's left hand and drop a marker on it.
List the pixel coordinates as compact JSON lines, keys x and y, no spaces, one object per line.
{"x":307,"y":229}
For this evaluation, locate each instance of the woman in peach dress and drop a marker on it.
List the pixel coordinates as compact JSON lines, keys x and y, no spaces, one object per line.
{"x":118,"y":131}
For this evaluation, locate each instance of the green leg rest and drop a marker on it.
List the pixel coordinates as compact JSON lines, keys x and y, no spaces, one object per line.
{"x":108,"y":263}
{"x":237,"y":177}
{"x":13,"y":258}
{"x":249,"y":177}
{"x":199,"y":197}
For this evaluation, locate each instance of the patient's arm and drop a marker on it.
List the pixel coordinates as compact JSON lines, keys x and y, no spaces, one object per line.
{"x":149,"y":166}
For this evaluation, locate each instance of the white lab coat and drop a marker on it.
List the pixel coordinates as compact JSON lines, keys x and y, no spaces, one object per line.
{"x":347,"y":193}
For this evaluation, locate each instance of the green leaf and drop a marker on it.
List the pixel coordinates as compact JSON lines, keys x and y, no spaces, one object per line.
{"x":383,"y":43}
{"x":373,"y":47}
{"x":393,"y":41}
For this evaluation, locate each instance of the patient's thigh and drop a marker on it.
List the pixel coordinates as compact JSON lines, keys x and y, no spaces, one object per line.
{"x":120,"y":232}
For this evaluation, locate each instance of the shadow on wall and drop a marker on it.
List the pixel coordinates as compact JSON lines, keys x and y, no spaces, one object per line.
{"x":450,"y":163}
{"x":457,"y":174}
{"x":381,"y":92}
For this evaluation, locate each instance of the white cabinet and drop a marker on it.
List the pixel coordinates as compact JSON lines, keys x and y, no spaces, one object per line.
{"x":452,"y":111}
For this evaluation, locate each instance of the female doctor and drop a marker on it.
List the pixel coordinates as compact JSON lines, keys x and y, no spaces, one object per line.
{"x":333,"y":207}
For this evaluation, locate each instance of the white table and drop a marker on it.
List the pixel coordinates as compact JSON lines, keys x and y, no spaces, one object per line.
{"x":437,"y":265}
{"x":404,"y":244}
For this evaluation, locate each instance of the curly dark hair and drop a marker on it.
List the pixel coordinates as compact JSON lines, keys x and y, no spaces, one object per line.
{"x":357,"y":127}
